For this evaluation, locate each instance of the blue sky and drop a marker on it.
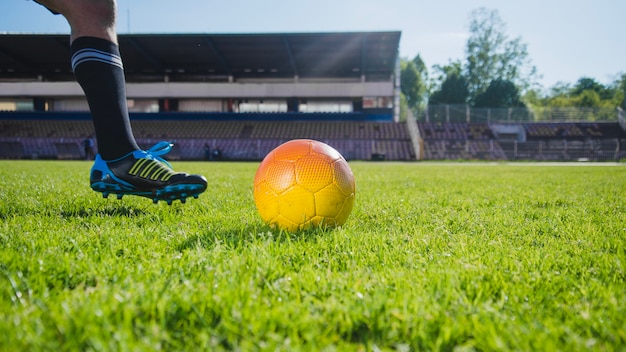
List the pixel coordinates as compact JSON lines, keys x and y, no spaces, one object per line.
{"x":567,"y":39}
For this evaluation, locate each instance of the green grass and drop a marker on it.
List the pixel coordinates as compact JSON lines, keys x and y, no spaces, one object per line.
{"x":433,"y":257}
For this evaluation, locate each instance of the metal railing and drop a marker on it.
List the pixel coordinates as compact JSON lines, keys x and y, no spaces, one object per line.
{"x":465,"y":113}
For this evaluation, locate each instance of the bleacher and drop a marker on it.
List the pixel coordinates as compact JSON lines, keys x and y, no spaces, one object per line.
{"x":237,"y":140}
{"x":555,"y":141}
{"x":459,"y":141}
{"x":569,"y":141}
{"x":216,"y":92}
{"x":225,"y":98}
{"x":570,"y":130}
{"x":356,"y":140}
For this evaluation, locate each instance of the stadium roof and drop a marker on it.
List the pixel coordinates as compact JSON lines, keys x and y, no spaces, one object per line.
{"x":214,"y":57}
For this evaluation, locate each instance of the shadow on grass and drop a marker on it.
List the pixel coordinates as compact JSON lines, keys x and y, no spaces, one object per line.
{"x":117,"y":210}
{"x":68,"y":212}
{"x":241,"y":237}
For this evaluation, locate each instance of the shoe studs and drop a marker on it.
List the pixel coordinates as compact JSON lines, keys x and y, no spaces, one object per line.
{"x":169,"y":197}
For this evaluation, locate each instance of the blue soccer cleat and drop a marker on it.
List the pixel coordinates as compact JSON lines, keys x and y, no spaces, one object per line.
{"x":146,"y":174}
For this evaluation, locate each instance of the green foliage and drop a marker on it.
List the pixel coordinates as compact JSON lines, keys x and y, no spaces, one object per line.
{"x":587,"y":99}
{"x":420,"y":65}
{"x":586,"y":84}
{"x":453,"y":88}
{"x":404,"y":108}
{"x":499,"y":94}
{"x":492,"y":56}
{"x":413,"y":81}
{"x":493,"y":60}
{"x":434,"y":257}
{"x":620,"y":94}
{"x":586,"y":93}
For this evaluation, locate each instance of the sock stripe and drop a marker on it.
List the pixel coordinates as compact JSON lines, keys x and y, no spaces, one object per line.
{"x":90,"y":54}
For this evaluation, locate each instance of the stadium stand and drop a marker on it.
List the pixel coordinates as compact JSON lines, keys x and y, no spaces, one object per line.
{"x":556,"y":141}
{"x":239,"y":94}
{"x":211,"y":93}
{"x":459,"y":141}
{"x":237,"y":140}
{"x":594,"y":141}
{"x":11,"y":150}
{"x":67,"y":151}
{"x":356,"y":140}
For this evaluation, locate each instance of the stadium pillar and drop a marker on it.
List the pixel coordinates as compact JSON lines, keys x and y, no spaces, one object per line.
{"x":292,"y":105}
{"x":39,"y":104}
{"x":168,"y":104}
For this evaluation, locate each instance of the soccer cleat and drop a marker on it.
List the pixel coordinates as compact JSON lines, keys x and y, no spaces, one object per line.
{"x":146,"y":174}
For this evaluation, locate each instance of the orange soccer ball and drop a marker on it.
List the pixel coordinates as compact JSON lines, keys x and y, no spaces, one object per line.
{"x":304,"y":184}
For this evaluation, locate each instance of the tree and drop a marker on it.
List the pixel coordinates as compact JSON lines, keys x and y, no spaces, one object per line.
{"x":621,"y":90}
{"x":586,"y":93}
{"x":453,"y":87}
{"x":589,"y":84}
{"x":492,"y":56}
{"x":421,"y":67}
{"x":588,"y":99}
{"x":413,"y":80}
{"x":501,"y":93}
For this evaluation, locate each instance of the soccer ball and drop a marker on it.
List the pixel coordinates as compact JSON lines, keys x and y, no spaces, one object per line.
{"x":304,"y":184}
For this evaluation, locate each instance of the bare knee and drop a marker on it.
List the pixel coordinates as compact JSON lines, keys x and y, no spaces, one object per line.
{"x":87,"y":17}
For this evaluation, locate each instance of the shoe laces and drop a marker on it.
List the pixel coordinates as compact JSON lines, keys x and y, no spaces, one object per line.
{"x":159,"y":149}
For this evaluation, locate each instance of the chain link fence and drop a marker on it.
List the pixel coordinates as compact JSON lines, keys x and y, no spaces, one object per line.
{"x":465,"y":113}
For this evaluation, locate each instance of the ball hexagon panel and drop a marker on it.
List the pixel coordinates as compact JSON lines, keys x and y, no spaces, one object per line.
{"x":265,"y":201}
{"x":326,"y":150}
{"x":296,"y":204}
{"x":313,"y":172}
{"x":330,"y":201}
{"x":318,"y":221}
{"x":284,"y":223}
{"x":280,"y":175}
{"x":292,"y":150}
{"x":343,"y":177}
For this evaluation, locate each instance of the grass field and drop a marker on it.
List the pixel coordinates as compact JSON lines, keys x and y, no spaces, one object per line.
{"x":433,"y":257}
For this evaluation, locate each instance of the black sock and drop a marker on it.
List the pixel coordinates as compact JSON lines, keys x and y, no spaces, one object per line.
{"x":97,"y":65}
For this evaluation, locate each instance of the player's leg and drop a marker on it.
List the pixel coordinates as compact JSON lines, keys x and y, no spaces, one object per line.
{"x":87,"y":18}
{"x":98,"y":68}
{"x":121,"y":167}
